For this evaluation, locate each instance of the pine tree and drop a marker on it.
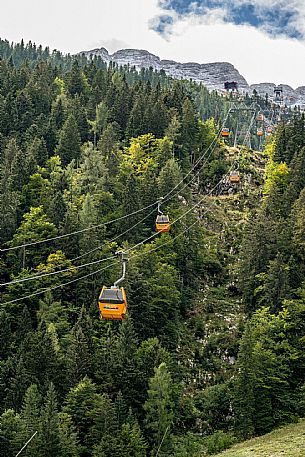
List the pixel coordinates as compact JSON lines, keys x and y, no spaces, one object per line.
{"x":58,"y":113}
{"x":298,"y":218}
{"x":169,"y":178}
{"x":132,"y":441}
{"x":274,"y":286}
{"x":82,"y":405}
{"x":109,"y":140}
{"x":159,"y":409}
{"x":101,"y":118}
{"x":36,"y":153}
{"x":172,"y":131}
{"x":122,"y":363}
{"x":68,"y":147}
{"x":53,"y":312}
{"x":11,"y":180}
{"x":121,"y":409}
{"x":244,"y":401}
{"x":68,"y":437}
{"x":75,"y":80}
{"x":136,"y":122}
{"x":79,"y":360}
{"x":6,"y":336}
{"x":49,"y":436}
{"x":189,"y":127}
{"x":40,"y":359}
{"x":57,"y":208}
{"x":11,"y":433}
{"x":19,"y":381}
{"x":30,"y":416}
{"x":158,"y":119}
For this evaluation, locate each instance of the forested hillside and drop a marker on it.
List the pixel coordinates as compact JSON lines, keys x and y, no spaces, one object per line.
{"x":212,"y":349}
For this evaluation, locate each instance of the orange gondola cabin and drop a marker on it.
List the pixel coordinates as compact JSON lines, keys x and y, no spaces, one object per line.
{"x":162,"y":223}
{"x":225,"y":132}
{"x":234,"y":177}
{"x":260,"y":132}
{"x":112,"y":303}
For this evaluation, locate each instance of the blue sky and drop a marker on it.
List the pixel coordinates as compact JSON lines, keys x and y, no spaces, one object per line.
{"x":263,"y":39}
{"x":275,"y":17}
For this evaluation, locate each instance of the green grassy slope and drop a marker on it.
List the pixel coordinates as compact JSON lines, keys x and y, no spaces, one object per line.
{"x":285,"y":442}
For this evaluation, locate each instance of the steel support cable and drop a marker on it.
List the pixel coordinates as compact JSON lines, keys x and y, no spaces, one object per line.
{"x":31,"y":278}
{"x":196,"y":204}
{"x":52,"y":273}
{"x":115,"y":238}
{"x":133,"y":247}
{"x":198,"y":160}
{"x":194,"y":176}
{"x":170,"y":198}
{"x":76,"y":267}
{"x":49,"y":289}
{"x":38,"y":276}
{"x":33,"y":243}
{"x":78,"y":231}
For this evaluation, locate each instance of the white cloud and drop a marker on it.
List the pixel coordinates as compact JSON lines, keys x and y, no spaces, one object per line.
{"x":258,"y":57}
{"x":274,"y":17}
{"x":72,"y":26}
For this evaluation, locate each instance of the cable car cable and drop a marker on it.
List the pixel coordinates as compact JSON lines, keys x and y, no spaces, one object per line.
{"x":180,"y":190}
{"x":198,"y":160}
{"x":51,"y":273}
{"x":107,"y":222}
{"x":75,"y":267}
{"x":49,"y":289}
{"x":194,"y":206}
{"x":24,"y":245}
{"x":122,"y":217}
{"x":115,"y":238}
{"x":77,"y":231}
{"x":38,"y":276}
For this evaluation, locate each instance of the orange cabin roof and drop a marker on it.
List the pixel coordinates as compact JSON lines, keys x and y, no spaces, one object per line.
{"x":112,"y":303}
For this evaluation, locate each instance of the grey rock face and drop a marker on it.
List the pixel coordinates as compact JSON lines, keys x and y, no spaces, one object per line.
{"x":101,"y":52}
{"x":291,"y":97}
{"x":212,"y":75}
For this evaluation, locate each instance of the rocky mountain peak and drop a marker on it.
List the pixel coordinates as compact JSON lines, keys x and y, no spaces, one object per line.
{"x":212,"y":75}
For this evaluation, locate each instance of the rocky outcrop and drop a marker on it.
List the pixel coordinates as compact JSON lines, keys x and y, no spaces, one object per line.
{"x":290,"y":96}
{"x":212,"y":75}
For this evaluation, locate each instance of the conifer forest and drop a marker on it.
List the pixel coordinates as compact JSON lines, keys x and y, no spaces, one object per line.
{"x":211,"y":350}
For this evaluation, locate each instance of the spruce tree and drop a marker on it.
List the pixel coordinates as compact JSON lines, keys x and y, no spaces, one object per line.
{"x":159,"y":409}
{"x":244,"y":401}
{"x":68,"y":147}
{"x":49,"y":436}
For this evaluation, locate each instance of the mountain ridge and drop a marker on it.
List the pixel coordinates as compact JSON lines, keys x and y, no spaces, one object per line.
{"x":212,"y":74}
{"x":204,"y":72}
